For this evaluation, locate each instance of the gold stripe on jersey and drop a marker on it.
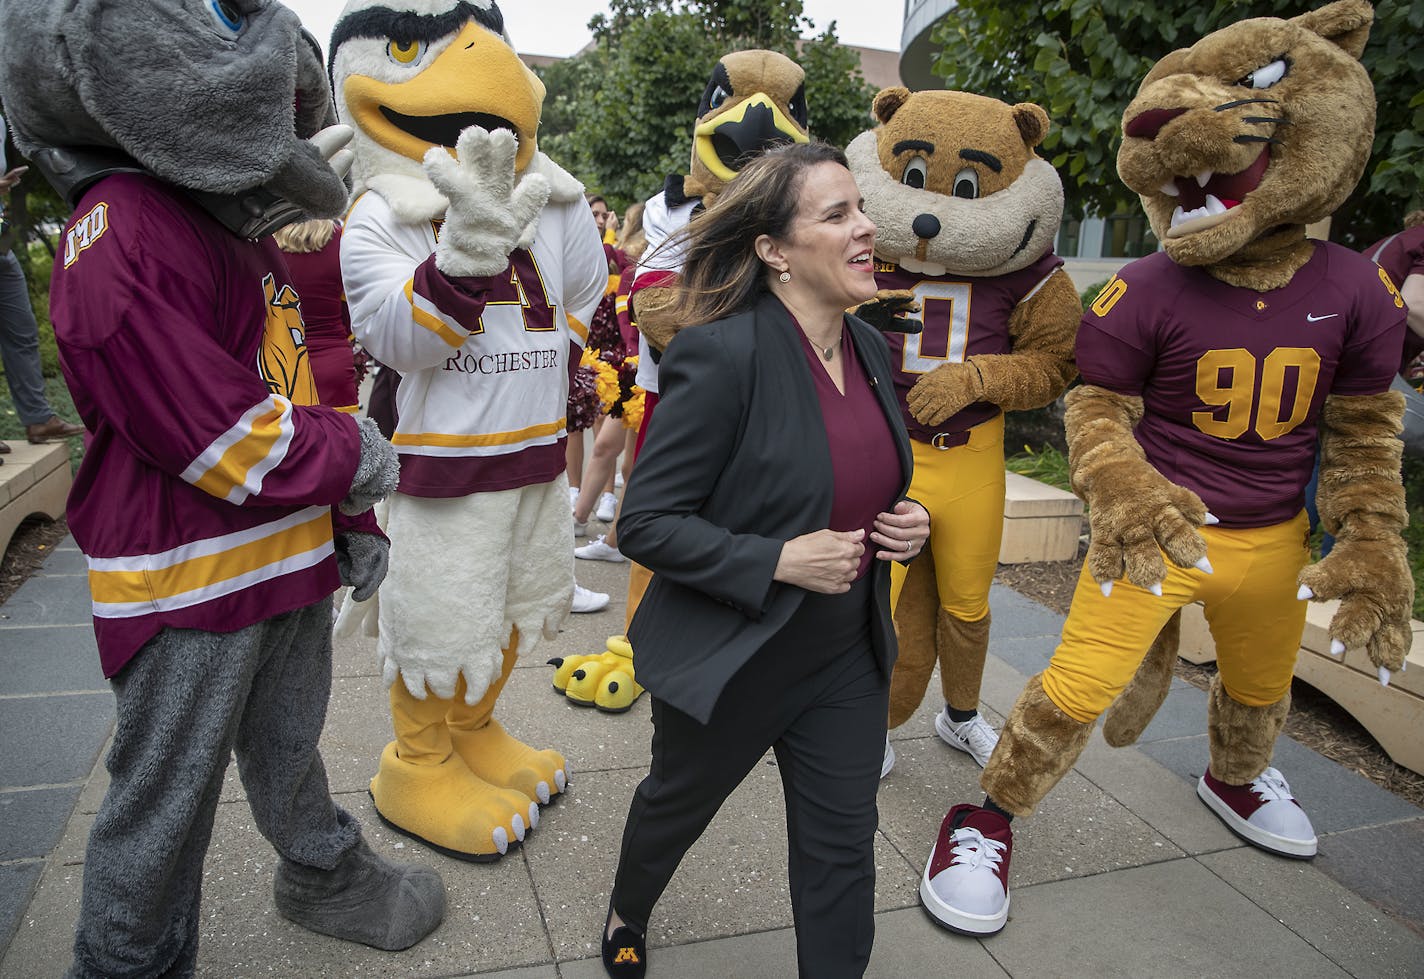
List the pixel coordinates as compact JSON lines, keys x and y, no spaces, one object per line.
{"x":425,"y":314}
{"x":443,"y":440}
{"x":579,"y":331}
{"x":203,"y":570}
{"x":233,"y":466}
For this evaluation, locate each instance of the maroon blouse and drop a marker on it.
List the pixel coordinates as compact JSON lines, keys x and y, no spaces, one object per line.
{"x":863,"y":458}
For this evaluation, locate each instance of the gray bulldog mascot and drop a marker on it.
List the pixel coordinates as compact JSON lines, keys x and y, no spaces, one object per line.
{"x":217,"y":504}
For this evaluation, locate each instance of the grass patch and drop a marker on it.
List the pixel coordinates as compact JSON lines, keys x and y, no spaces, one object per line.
{"x":1045,"y":464}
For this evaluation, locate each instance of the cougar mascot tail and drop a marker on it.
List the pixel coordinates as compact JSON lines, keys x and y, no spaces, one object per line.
{"x":472,"y":266}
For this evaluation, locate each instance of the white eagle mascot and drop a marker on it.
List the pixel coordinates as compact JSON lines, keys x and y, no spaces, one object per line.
{"x":471,"y":266}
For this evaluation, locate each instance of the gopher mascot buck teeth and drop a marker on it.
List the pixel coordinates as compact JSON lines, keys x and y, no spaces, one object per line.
{"x":965,"y":214}
{"x":1210,"y":370}
{"x":471,"y":265}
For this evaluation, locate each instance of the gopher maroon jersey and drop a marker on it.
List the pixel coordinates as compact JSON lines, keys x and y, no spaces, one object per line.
{"x":1233,"y":380}
{"x":962,"y":316}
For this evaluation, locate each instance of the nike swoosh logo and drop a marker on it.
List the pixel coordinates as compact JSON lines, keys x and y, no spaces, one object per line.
{"x":1309,"y":318}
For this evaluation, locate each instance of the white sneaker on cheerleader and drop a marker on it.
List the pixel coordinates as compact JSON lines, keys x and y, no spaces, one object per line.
{"x":965,"y":886}
{"x":618,"y":479}
{"x":573,"y":495}
{"x":607,"y":507}
{"x":974,"y":736}
{"x":1263,"y":813}
{"x":599,"y":550}
{"x":580,"y":529}
{"x":586,"y":600}
{"x":889,"y":761}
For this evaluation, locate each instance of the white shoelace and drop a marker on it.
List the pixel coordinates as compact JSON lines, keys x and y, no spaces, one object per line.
{"x":1271,"y":786}
{"x":973,"y":850}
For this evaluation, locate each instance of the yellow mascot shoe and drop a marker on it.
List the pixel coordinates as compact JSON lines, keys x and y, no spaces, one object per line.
{"x":618,"y":691}
{"x":449,"y":808}
{"x":573,"y":675}
{"x":500,"y":759}
{"x":619,"y":645}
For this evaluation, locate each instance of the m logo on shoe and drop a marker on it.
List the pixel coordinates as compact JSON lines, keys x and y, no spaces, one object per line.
{"x":628,"y":955}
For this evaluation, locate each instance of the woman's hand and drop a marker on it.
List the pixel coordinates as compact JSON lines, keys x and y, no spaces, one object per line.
{"x":903,"y":532}
{"x":824,"y":562}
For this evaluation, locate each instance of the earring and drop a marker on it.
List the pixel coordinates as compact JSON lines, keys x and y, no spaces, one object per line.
{"x":785,"y":276}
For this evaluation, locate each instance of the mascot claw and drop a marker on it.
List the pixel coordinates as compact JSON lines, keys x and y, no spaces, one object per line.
{"x":1106,"y":587}
{"x":1337,"y":648}
{"x":1305,"y":595}
{"x":1384,"y":676}
{"x":1204,"y":565}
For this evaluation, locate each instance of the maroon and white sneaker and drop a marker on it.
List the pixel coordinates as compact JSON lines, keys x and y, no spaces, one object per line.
{"x":1263,"y":813}
{"x":965,"y":886}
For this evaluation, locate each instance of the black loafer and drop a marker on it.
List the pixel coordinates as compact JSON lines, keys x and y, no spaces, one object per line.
{"x":625,"y":955}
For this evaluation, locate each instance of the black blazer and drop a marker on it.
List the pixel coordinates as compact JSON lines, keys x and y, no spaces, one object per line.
{"x":735,"y":464}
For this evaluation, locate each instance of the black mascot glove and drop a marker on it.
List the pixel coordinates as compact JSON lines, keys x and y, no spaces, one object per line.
{"x":362,"y":560}
{"x":377,"y":473}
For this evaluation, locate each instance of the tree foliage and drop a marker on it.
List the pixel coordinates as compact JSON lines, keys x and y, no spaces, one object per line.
{"x":1082,"y":61}
{"x":620,"y":114}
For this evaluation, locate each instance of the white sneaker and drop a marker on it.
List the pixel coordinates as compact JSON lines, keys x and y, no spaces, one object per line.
{"x":589,"y":601}
{"x":618,"y":479}
{"x":965,"y":886}
{"x":607,"y":507}
{"x":974,"y":736}
{"x":1262,"y":812}
{"x":889,"y":761}
{"x":573,"y":495}
{"x":598,"y":550}
{"x":580,"y":529}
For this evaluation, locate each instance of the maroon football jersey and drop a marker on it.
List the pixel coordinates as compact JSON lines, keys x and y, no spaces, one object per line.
{"x":1233,"y":380}
{"x":962,"y":315}
{"x":1402,"y":255}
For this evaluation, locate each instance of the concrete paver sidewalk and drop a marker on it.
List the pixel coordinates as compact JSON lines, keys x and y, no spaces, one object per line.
{"x":1122,"y":872}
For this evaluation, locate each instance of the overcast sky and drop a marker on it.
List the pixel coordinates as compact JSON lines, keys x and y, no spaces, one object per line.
{"x":560,"y":27}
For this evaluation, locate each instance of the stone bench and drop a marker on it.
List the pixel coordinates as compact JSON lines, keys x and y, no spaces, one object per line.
{"x":1394,"y":715}
{"x":1041,"y":522}
{"x":34,"y":480}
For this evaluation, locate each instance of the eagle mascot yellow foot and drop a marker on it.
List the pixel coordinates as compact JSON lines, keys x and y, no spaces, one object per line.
{"x":471,"y":265}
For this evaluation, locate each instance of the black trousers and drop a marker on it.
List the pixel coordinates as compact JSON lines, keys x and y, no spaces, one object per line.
{"x":816,"y":695}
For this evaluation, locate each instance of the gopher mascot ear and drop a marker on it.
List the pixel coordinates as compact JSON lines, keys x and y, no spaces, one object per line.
{"x":888,"y":102}
{"x":1345,"y":22}
{"x":1032,"y":122}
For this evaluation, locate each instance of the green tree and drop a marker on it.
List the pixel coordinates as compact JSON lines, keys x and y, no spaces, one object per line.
{"x":1082,"y":61}
{"x":620,"y":114}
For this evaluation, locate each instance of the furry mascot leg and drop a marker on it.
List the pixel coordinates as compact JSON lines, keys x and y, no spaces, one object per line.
{"x":915,"y":628}
{"x":1135,"y":707}
{"x":1038,"y":745}
{"x":495,"y":756}
{"x":424,"y":789}
{"x":962,"y":648}
{"x":1251,"y":798}
{"x":1242,"y":738}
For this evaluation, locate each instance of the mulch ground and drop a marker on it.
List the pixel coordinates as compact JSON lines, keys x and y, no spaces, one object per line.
{"x":1315,"y":720}
{"x":30,"y":545}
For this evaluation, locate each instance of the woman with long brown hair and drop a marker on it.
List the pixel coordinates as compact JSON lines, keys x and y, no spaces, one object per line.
{"x":767,"y":500}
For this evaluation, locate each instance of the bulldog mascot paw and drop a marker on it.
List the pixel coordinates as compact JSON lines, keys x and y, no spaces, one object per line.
{"x":471,"y":266}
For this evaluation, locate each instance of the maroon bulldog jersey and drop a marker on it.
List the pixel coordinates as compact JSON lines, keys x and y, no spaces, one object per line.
{"x":1233,"y":380}
{"x":1402,"y":255}
{"x":962,"y":316}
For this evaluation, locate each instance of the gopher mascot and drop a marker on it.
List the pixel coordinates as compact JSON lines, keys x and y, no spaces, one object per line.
{"x":1210,"y":370}
{"x":215,"y":503}
{"x":472,"y":266}
{"x":754,"y":100}
{"x":965,"y":214}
